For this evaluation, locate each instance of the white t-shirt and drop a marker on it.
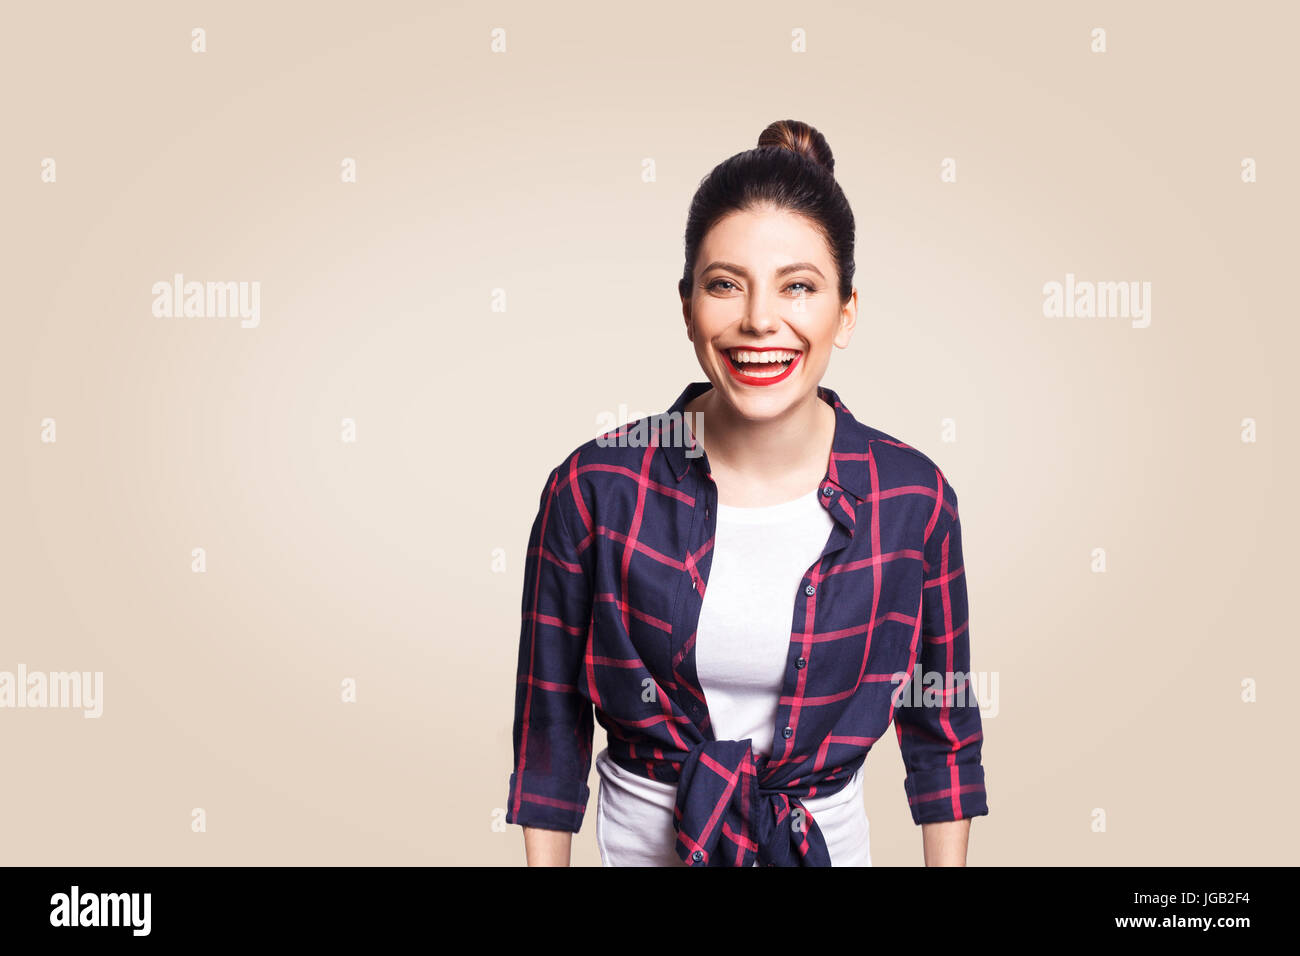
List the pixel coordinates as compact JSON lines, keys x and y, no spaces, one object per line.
{"x":742,"y":646}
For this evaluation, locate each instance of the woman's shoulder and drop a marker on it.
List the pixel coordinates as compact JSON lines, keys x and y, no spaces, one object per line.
{"x":902,"y":464}
{"x":613,"y":460}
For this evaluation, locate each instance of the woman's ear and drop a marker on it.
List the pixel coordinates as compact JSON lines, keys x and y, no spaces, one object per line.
{"x":848,"y":320}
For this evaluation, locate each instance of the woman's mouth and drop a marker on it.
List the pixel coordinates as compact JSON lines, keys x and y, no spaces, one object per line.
{"x":760,"y":366}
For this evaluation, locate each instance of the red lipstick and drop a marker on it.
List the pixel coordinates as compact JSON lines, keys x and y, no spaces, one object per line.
{"x":744,"y":379}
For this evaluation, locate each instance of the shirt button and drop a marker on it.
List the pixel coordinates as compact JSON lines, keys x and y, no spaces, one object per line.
{"x":801,"y":663}
{"x":828,"y":491}
{"x":787,"y":733}
{"x":810,"y":590}
{"x":697,"y":856}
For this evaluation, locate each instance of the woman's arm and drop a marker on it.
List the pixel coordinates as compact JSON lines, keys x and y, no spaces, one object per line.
{"x":547,"y":847}
{"x":553,"y":717}
{"x":941,"y":733}
{"x":945,"y":843}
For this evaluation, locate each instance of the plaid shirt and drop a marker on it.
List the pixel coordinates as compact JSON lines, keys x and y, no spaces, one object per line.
{"x":615,"y":575}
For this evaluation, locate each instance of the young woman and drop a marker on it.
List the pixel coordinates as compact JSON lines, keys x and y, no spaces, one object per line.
{"x":746,"y":590}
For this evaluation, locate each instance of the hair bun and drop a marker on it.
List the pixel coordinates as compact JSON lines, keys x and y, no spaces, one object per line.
{"x":801,"y":138}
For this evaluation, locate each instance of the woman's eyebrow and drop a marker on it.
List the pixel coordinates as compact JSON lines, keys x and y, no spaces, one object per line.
{"x":792,"y":267}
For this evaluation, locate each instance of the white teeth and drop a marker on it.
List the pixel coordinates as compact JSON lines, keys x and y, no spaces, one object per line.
{"x":774,"y":374}
{"x":771,"y":355}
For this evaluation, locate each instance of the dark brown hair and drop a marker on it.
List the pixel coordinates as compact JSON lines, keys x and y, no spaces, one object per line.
{"x":791,"y":168}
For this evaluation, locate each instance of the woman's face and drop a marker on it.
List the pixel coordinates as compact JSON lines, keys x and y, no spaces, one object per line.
{"x":764,"y":310}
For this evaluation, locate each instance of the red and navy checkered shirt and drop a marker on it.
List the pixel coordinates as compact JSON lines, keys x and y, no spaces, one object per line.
{"x":616,"y":572}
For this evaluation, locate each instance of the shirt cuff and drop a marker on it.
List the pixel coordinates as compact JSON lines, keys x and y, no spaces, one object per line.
{"x":950,"y":793}
{"x":546,"y":802}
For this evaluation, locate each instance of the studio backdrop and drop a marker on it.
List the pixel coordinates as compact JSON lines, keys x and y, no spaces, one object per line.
{"x":304,"y":302}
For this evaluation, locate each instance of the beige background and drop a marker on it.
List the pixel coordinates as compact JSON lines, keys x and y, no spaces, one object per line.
{"x":522,"y":172}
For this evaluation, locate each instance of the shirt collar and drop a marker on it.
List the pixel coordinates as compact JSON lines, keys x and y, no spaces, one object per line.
{"x":848,"y":467}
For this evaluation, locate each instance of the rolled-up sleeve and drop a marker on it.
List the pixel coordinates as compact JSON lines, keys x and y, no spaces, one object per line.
{"x":553,"y":719}
{"x":940,"y":732}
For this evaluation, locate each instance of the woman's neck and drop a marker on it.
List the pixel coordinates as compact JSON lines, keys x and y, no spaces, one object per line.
{"x":766,"y":462}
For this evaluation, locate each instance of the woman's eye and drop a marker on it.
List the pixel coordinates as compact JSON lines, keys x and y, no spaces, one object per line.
{"x":807,"y":289}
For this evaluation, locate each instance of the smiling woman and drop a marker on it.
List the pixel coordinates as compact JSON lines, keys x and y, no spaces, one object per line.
{"x":736,"y":611}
